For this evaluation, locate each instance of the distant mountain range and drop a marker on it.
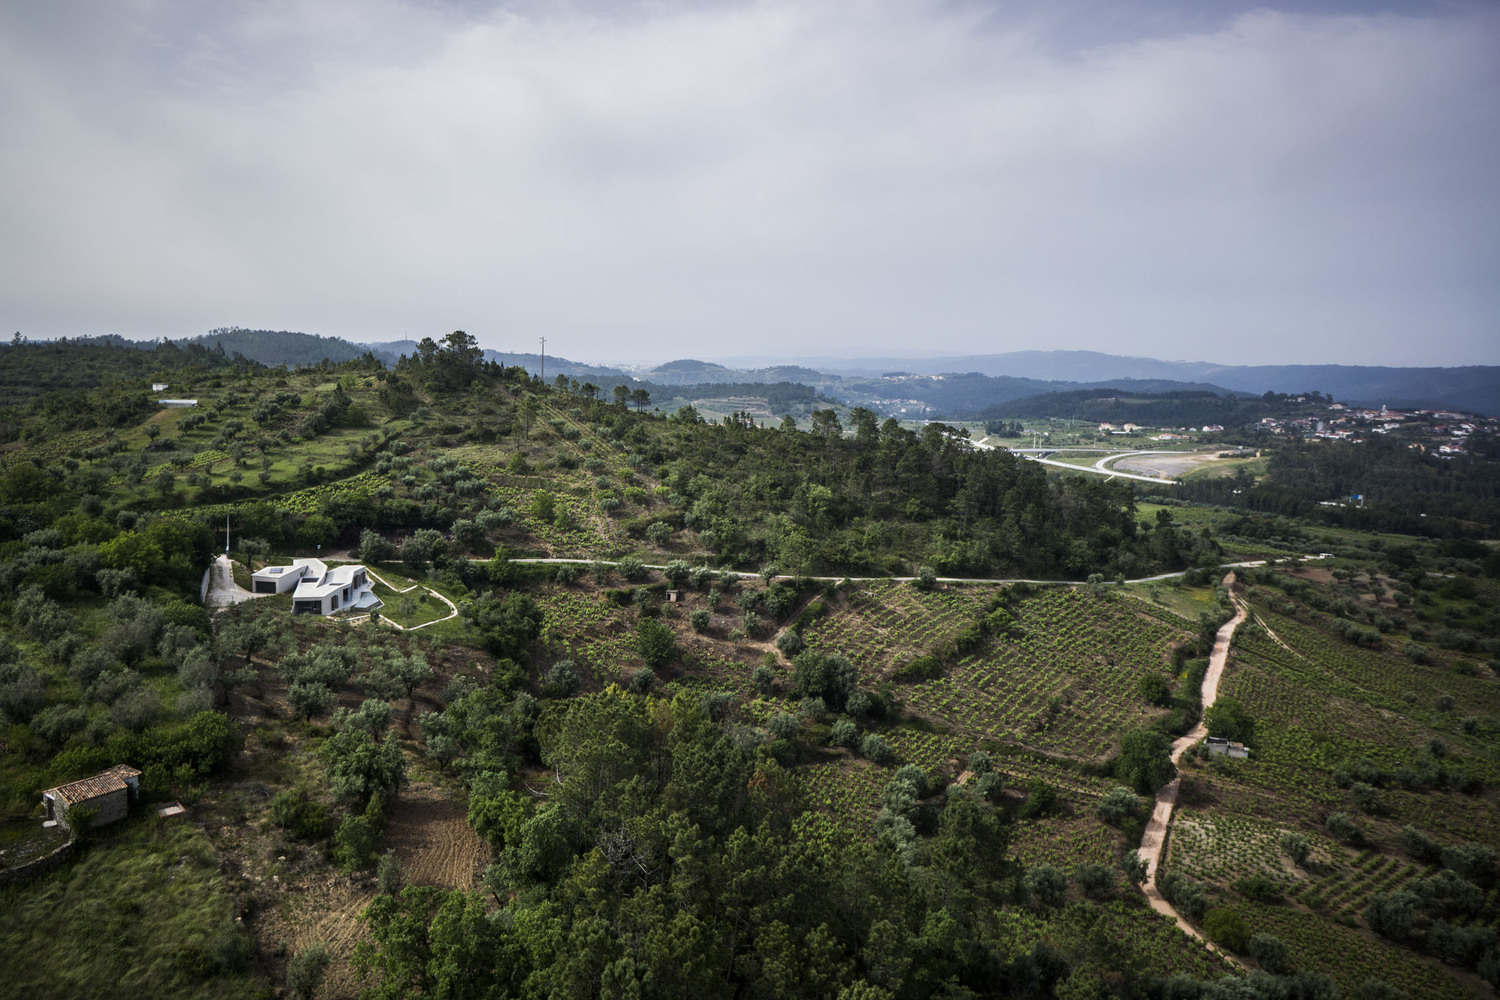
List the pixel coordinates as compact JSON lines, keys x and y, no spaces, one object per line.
{"x":1475,"y":387}
{"x":954,"y":386}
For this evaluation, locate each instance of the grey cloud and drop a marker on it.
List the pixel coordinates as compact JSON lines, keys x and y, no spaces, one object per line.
{"x":842,"y":177}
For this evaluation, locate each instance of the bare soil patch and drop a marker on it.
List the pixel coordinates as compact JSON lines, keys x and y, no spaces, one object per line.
{"x":1167,"y":466}
{"x":431,"y":835}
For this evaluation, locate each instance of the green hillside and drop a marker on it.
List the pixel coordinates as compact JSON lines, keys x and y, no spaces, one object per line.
{"x":710,"y":703}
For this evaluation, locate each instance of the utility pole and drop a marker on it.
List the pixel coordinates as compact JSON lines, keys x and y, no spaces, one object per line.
{"x":543,"y":375}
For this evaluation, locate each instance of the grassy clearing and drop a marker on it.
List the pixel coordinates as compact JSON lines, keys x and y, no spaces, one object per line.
{"x":143,"y":912}
{"x":416,"y":607}
{"x":1185,"y":602}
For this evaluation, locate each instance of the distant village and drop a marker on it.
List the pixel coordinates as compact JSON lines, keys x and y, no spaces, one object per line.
{"x":1444,"y":433}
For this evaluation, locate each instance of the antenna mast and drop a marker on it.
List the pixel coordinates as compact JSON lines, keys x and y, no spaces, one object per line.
{"x":543,"y":375}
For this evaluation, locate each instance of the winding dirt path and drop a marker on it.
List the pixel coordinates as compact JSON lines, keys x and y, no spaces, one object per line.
{"x":1155,"y":837}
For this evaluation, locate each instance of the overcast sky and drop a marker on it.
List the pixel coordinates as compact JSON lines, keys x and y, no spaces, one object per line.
{"x":1299,"y":182}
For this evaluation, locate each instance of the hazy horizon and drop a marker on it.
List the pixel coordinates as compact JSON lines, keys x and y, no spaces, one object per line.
{"x":1307,"y":182}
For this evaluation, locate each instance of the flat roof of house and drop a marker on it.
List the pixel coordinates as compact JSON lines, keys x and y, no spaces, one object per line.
{"x":334,"y":579}
{"x":304,"y":567}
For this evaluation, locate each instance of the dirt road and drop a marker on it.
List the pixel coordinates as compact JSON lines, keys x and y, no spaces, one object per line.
{"x":1155,"y":837}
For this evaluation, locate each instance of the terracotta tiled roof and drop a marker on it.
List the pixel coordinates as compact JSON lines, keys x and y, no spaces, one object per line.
{"x":124,"y":771}
{"x":88,"y":788}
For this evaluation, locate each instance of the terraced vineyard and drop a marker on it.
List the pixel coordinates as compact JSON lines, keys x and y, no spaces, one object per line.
{"x":847,"y":791}
{"x":1068,"y":686}
{"x":884,"y":624}
{"x":1219,"y":846}
{"x":1065,"y":841}
{"x":582,"y":626}
{"x":1351,"y":956}
{"x":576,"y":534}
{"x":1347,"y":885}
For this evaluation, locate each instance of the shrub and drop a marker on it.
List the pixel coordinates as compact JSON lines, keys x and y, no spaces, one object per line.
{"x":1045,"y":885}
{"x":1419,"y":845}
{"x":1118,"y":806}
{"x":1186,"y":894}
{"x":1272,"y":954}
{"x":1259,"y":888}
{"x":1154,"y":689}
{"x":1475,"y":862}
{"x":1392,"y":914}
{"x":875,"y":748}
{"x":299,"y":815}
{"x":789,"y":642}
{"x":1340,"y":826}
{"x":656,"y":642}
{"x":304,"y":973}
{"x":842,"y":733}
{"x":699,"y":619}
{"x":562,"y":680}
{"x":1228,"y":928}
{"x":922,"y":668}
{"x":1041,"y":799}
{"x":1094,"y":880}
{"x":1366,"y":797}
{"x":1295,"y":846}
{"x":784,"y":726}
{"x":643,"y":681}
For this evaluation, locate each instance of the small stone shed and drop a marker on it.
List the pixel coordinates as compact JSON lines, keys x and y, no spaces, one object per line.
{"x":108,"y":793}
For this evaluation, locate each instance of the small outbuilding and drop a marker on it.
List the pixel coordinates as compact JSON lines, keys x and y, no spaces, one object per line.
{"x":1219,"y":746}
{"x":107,"y":793}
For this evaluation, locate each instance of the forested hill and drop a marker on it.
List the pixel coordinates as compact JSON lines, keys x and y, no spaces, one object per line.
{"x":286,"y":347}
{"x":31,"y":369}
{"x":1168,"y":409}
{"x":1403,"y":489}
{"x":1473,"y":388}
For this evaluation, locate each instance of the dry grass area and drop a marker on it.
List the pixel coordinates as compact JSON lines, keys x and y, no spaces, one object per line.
{"x":327,"y":910}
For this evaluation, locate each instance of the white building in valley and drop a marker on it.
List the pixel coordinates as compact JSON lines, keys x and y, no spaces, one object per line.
{"x":316,"y":589}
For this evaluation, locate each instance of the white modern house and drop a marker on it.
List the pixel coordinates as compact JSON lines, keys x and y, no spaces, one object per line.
{"x":316,"y":589}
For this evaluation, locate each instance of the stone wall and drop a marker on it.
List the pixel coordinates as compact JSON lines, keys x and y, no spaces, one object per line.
{"x":40,"y":866}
